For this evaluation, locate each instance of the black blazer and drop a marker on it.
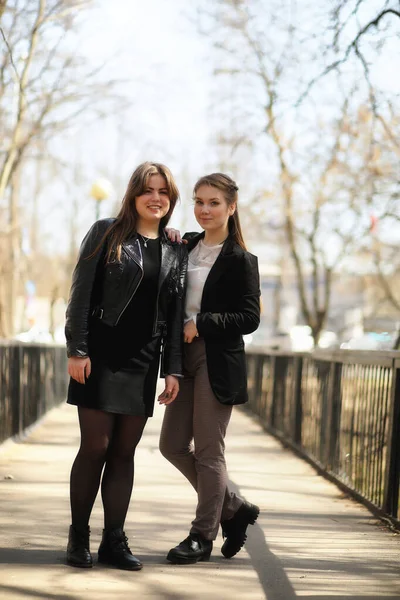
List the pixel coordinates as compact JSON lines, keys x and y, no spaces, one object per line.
{"x":103,"y":291}
{"x":230,"y":308}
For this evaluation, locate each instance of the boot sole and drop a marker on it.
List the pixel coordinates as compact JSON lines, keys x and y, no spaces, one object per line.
{"x":116,"y":566}
{"x":255,"y":512}
{"x":79,"y":566}
{"x":188,"y":561}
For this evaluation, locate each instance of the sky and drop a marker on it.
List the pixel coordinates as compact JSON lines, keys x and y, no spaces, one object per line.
{"x":155,"y":50}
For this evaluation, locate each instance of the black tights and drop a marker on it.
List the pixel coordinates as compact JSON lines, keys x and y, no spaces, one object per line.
{"x":107,"y":440}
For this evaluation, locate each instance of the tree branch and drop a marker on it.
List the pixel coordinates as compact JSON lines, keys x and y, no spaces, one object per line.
{"x":353,"y":46}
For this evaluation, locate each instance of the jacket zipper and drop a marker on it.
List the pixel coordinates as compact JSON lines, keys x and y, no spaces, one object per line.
{"x":158,"y":295}
{"x":156,"y":316}
{"x":134,"y":291}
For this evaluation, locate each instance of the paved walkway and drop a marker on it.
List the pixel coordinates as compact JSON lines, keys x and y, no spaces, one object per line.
{"x":310,"y":541}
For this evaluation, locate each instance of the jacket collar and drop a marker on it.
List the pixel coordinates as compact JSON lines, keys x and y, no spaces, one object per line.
{"x":167,"y":258}
{"x":132,"y":246}
{"x":134,"y":250}
{"x":227,"y":248}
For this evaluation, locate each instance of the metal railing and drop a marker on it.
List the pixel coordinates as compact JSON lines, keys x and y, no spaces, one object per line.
{"x":341,"y":411}
{"x":33,"y":379}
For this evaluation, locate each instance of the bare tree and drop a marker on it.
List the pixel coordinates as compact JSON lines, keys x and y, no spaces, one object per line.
{"x":349,"y":12}
{"x":387,"y":278}
{"x":327,"y":171}
{"x":356,"y":34}
{"x":3,"y":4}
{"x":45,"y":87}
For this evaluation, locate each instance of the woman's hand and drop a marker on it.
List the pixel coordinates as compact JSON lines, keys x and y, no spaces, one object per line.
{"x":174,"y":235}
{"x":79,"y":368}
{"x":190,"y":332}
{"x":171,"y":390}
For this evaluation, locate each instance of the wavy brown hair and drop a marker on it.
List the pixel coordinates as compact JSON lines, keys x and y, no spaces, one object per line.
{"x":126,"y":222}
{"x":230,"y":190}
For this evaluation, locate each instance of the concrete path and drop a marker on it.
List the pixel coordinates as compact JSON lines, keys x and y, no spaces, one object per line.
{"x":310,"y":541}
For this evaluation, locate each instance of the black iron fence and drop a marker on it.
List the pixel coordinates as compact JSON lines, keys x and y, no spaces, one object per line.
{"x":33,"y":379}
{"x":341,"y":411}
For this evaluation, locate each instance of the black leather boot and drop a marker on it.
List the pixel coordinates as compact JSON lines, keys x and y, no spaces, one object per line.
{"x":193,"y":549}
{"x":78,"y":550}
{"x":114,"y":551}
{"x":234,"y":530}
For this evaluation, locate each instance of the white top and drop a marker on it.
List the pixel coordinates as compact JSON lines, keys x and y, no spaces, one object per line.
{"x":201,"y":259}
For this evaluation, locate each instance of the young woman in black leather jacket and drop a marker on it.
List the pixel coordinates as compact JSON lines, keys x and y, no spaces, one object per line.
{"x":125,"y":306}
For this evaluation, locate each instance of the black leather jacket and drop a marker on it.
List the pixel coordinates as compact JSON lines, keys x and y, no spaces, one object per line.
{"x":104,"y":290}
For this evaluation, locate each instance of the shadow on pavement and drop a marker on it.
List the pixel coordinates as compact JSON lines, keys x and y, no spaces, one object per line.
{"x":31,"y":556}
{"x":6,"y":590}
{"x":269,"y":569}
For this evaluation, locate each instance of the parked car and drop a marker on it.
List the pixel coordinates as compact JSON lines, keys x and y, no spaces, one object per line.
{"x":41,"y":336}
{"x":34,"y":334}
{"x":371,"y":341}
{"x":298,"y":339}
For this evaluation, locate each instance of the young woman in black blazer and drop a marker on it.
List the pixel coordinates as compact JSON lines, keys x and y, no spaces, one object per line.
{"x":222,"y":304}
{"x":126,"y":303}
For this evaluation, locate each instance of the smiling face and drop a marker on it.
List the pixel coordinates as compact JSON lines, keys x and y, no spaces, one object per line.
{"x":211,"y":209}
{"x":154,"y":203}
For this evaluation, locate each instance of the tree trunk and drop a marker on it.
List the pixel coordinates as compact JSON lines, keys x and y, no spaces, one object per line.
{"x":3,"y":4}
{"x":14,"y":262}
{"x":53,"y":299}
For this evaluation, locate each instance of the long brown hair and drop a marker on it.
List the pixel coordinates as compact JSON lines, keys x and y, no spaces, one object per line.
{"x":230,"y":190}
{"x":126,"y":222}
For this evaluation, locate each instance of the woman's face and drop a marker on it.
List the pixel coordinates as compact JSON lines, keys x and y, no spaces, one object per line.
{"x":154,"y":203}
{"x":211,"y":209}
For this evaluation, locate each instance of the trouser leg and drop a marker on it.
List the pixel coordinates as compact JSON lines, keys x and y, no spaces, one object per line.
{"x":210,"y":422}
{"x":196,"y":413}
{"x":176,"y":439}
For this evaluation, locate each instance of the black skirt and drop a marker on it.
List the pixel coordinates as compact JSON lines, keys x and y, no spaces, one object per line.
{"x":125,"y":358}
{"x":129,"y":390}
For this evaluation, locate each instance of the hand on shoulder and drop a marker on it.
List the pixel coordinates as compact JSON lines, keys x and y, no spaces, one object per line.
{"x":174,"y":235}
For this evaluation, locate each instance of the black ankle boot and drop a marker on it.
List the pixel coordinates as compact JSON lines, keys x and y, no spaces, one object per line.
{"x":114,"y":550}
{"x":234,"y":530}
{"x":193,"y":549}
{"x":78,"y":550}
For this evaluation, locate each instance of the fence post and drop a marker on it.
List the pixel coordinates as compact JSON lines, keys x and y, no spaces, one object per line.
{"x":323,"y":369}
{"x":333,"y":416}
{"x":251,"y":389}
{"x":274,"y":393}
{"x":298,"y":407}
{"x":15,"y":388}
{"x":278,"y":393}
{"x":392,"y":479}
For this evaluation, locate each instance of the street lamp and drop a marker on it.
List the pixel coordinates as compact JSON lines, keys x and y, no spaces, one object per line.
{"x":100,"y":190}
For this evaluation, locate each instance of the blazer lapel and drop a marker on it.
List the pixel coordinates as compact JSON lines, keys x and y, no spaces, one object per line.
{"x":219,"y":267}
{"x":193,"y":239}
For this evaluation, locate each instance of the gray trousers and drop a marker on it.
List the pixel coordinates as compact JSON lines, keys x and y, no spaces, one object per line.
{"x":192,"y":439}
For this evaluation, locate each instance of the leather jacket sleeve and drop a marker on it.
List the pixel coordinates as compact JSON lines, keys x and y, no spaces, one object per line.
{"x":173,"y":352}
{"x":83,"y":280}
{"x":246,"y":318}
